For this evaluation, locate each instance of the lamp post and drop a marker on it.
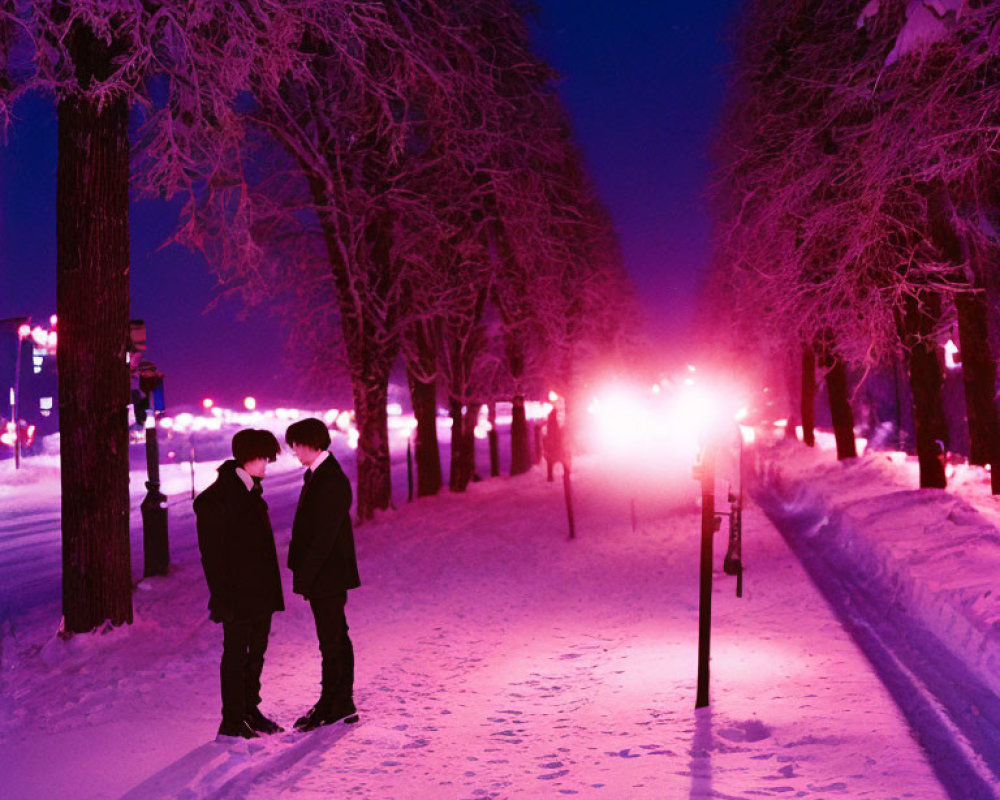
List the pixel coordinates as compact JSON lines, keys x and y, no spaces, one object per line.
{"x":709,"y":523}
{"x":155,"y":543}
{"x":22,"y":328}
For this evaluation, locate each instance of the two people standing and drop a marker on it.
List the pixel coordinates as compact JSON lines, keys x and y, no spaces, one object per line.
{"x":241,"y":568}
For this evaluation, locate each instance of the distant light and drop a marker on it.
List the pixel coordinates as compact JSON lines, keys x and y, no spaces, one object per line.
{"x":553,"y":396}
{"x":748,"y":434}
{"x":45,"y":403}
{"x":53,"y":320}
{"x":950,"y":351}
{"x":689,"y":381}
{"x":52,"y":338}
{"x":24,"y":331}
{"x":40,"y":336}
{"x":394,"y":409}
{"x":344,"y":420}
{"x":741,"y":415}
{"x":249,"y":403}
{"x":208,"y":402}
{"x":781,"y":423}
{"x":656,"y":388}
{"x":691,"y":368}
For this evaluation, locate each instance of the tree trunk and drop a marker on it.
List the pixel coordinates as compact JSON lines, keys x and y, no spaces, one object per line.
{"x":460,"y":472}
{"x":792,"y":384}
{"x":808,"y":396}
{"x":840,"y":405}
{"x":423,"y":396}
{"x":979,"y":373}
{"x":374,"y":481}
{"x":472,"y":411}
{"x":520,"y":450}
{"x":92,"y":261}
{"x":920,"y":316}
{"x":428,"y":455}
{"x":493,"y":437}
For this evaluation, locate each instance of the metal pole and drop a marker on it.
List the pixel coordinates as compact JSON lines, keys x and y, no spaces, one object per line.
{"x":15,"y":407}
{"x":192,"y":466}
{"x":568,"y":493}
{"x":705,"y":598}
{"x":155,"y":545}
{"x":409,"y":471}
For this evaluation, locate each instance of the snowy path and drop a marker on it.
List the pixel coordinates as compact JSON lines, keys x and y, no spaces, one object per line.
{"x":495,"y":659}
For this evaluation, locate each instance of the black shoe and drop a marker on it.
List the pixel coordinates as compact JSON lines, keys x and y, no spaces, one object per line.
{"x":237,"y":729}
{"x":322,"y":714}
{"x":258,"y":722}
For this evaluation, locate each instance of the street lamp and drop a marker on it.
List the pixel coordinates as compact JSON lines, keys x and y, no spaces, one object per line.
{"x":23,"y":329}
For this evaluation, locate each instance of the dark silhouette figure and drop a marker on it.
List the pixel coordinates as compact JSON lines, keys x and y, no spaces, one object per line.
{"x":241,"y":568}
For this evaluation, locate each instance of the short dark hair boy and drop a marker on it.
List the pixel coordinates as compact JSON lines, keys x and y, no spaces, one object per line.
{"x":311,"y":432}
{"x":252,"y":443}
{"x":244,"y":584}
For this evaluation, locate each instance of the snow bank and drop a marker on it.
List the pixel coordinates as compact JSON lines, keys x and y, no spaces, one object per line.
{"x":936,"y":553}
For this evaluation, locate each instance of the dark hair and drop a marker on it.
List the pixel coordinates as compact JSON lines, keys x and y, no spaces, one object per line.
{"x":252,"y":443}
{"x":311,"y":432}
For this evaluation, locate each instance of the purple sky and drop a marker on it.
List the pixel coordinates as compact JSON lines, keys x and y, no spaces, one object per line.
{"x":643,"y":82}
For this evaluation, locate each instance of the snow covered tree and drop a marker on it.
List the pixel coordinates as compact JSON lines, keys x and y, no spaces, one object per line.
{"x":186,"y":65}
{"x":829,"y":220}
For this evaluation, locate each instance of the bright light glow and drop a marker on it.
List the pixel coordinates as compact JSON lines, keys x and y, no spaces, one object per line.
{"x":656,"y":388}
{"x":394,"y":409}
{"x":24,"y":331}
{"x":352,"y":438}
{"x":781,"y":423}
{"x":748,"y":433}
{"x":690,"y":368}
{"x":45,"y":403}
{"x":150,"y":421}
{"x":553,"y":396}
{"x":344,"y":420}
{"x":741,"y":415}
{"x":798,"y":432}
{"x":167,"y":423}
{"x":950,"y":350}
{"x":330,"y":417}
{"x":53,"y":320}
{"x":52,"y":339}
{"x":208,"y":402}
{"x":40,"y":336}
{"x":249,"y":403}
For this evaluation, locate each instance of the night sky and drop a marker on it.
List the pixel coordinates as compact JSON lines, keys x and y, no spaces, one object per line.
{"x":643,"y":82}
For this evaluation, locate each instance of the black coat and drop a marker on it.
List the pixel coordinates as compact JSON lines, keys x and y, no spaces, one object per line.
{"x":321,"y":554}
{"x":237,"y":550}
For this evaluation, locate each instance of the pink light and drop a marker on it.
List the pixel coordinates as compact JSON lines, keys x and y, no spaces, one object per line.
{"x":24,"y":331}
{"x":52,"y":338}
{"x":53,"y":320}
{"x":207,"y":403}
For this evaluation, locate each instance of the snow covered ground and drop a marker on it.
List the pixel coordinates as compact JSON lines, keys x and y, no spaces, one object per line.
{"x":495,"y":659}
{"x":913,"y":574}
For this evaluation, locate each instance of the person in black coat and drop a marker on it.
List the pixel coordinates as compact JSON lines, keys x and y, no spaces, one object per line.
{"x":244,"y":582}
{"x":324,"y":567}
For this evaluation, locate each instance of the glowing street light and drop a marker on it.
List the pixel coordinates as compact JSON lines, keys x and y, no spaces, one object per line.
{"x":207,"y":403}
{"x":249,"y":403}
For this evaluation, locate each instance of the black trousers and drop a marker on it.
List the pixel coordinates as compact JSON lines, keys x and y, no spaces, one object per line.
{"x":243,"y":645}
{"x":335,"y":647}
